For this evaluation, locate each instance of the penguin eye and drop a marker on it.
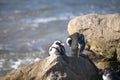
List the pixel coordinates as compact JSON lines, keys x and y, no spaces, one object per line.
{"x":57,"y":43}
{"x":69,"y":41}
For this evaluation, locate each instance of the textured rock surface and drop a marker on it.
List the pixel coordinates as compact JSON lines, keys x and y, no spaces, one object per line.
{"x":69,"y":68}
{"x":102,"y":33}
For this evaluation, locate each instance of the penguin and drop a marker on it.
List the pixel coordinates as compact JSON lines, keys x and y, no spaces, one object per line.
{"x":57,"y":49}
{"x":76,"y":42}
{"x":108,"y":74}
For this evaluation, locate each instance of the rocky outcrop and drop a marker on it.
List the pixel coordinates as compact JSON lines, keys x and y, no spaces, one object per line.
{"x":102,"y":34}
{"x":58,"y":68}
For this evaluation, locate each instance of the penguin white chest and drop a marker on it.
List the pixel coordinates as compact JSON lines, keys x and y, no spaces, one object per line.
{"x":53,"y":51}
{"x":106,"y":77}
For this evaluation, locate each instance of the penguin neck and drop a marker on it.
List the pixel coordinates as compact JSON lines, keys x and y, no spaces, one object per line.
{"x":79,"y":52}
{"x":74,"y":52}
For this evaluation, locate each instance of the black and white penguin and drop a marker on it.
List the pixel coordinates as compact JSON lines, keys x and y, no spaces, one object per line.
{"x":57,"y":49}
{"x":77,"y":43}
{"x":108,"y":74}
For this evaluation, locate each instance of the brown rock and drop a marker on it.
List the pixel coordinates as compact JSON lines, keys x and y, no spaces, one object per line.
{"x":101,"y":62}
{"x":102,"y":33}
{"x":50,"y":68}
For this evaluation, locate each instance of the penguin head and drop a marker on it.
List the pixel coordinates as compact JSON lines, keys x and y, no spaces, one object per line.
{"x":107,"y":71}
{"x":76,"y":41}
{"x":107,"y":74}
{"x":57,"y":48}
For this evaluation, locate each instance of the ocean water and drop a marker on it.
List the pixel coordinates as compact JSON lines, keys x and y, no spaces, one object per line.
{"x":28,"y":27}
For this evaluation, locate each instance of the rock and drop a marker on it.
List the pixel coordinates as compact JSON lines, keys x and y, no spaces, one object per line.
{"x":50,"y":68}
{"x":102,"y":33}
{"x":101,"y":62}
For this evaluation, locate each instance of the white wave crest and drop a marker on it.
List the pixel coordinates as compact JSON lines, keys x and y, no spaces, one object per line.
{"x":49,"y":19}
{"x":19,"y":62}
{"x":65,"y":16}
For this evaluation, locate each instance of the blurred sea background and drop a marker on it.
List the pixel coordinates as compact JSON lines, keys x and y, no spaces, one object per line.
{"x":29,"y":27}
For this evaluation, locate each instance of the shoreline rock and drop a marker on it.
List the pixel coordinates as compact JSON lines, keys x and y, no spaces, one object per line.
{"x":103,"y":39}
{"x":102,"y":36}
{"x":72,"y":68}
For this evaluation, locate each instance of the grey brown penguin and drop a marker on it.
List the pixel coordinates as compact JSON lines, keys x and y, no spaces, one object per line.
{"x":77,"y":43}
